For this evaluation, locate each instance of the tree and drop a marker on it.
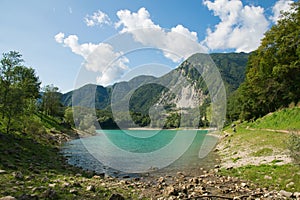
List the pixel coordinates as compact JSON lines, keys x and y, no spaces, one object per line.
{"x":51,"y":104}
{"x":19,"y":86}
{"x":273,"y":71}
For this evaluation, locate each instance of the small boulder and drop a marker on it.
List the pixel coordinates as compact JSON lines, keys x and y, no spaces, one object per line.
{"x":266,"y":177}
{"x":116,"y":197}
{"x":74,"y":191}
{"x":285,"y":194}
{"x":297,"y":195}
{"x":170,"y":190}
{"x":50,"y":194}
{"x":8,"y":198}
{"x":18,"y":175}
{"x":91,"y":188}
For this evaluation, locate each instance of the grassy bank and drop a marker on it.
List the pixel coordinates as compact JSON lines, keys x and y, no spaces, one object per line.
{"x":32,"y":167}
{"x":260,"y":155}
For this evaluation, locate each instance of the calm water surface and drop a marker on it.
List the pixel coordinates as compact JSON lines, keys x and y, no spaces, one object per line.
{"x":85,"y":152}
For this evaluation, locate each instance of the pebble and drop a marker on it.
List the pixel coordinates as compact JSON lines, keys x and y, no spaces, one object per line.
{"x":91,"y":188}
{"x":116,"y":197}
{"x":268,"y":177}
{"x":8,"y":198}
{"x":73,"y":191}
{"x":285,"y":193}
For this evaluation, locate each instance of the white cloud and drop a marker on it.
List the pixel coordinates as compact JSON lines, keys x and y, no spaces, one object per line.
{"x":59,"y":37}
{"x":177,"y":44}
{"x":100,"y":58}
{"x":281,"y":5}
{"x":98,"y":18}
{"x":241,"y":27}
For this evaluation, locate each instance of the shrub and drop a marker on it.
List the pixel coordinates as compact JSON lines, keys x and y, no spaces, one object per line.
{"x":294,"y":147}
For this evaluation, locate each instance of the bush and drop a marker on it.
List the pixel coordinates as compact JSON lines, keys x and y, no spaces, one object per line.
{"x":294,"y":147}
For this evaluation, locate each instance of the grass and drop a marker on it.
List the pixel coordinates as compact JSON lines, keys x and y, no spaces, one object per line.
{"x":285,"y":119}
{"x":262,"y":152}
{"x":259,"y":142}
{"x":281,"y":176}
{"x":42,"y":167}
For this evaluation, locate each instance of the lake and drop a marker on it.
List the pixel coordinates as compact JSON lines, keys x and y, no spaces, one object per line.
{"x":131,"y":152}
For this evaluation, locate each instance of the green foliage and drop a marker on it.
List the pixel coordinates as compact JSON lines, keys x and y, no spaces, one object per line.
{"x":294,"y":147}
{"x":51,"y":101}
{"x":273,"y":71}
{"x":19,"y":87}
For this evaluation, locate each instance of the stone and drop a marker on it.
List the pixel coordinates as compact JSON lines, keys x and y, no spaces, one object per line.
{"x":244,"y":184}
{"x":91,"y":188}
{"x":116,"y":197}
{"x":18,"y":175}
{"x":285,"y":193}
{"x":8,"y":198}
{"x":52,"y":185}
{"x":161,"y":180}
{"x":50,"y":193}
{"x":170,"y":190}
{"x":2,"y":171}
{"x":297,"y":195}
{"x":73,"y":191}
{"x":290,"y":184}
{"x":266,"y":177}
{"x":28,"y":197}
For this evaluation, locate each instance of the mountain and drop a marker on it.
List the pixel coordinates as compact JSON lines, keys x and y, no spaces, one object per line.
{"x":186,"y":87}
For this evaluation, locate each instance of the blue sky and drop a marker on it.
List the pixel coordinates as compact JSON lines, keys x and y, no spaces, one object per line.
{"x":113,"y":40}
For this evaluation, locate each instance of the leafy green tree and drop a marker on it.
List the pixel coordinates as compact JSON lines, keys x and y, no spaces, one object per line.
{"x":51,"y":104}
{"x":19,"y":87}
{"x":273,"y":71}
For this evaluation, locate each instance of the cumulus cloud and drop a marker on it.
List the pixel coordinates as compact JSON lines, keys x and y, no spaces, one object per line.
{"x":177,"y":44}
{"x":98,"y":18}
{"x":100,"y":58}
{"x":241,"y":27}
{"x":59,"y":37}
{"x":280,"y":6}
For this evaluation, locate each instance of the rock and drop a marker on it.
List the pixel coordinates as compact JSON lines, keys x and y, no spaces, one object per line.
{"x":116,"y":197}
{"x":18,"y":175}
{"x":217,"y":166}
{"x":266,"y":177}
{"x":91,"y":188}
{"x":8,"y":198}
{"x":76,"y":184}
{"x":45,"y":179}
{"x":50,"y":193}
{"x":244,"y":184}
{"x":290,"y":184}
{"x":52,"y":185}
{"x":73,"y":191}
{"x":194,"y":180}
{"x":28,"y":197}
{"x":297,"y":195}
{"x":170,"y":190}
{"x":65,"y":184}
{"x":161,"y":180}
{"x":285,"y":193}
{"x":2,"y":171}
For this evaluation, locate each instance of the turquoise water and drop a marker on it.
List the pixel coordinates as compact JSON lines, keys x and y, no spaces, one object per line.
{"x":136,"y":151}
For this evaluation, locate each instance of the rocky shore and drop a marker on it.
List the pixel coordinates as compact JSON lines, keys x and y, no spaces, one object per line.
{"x":206,"y":186}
